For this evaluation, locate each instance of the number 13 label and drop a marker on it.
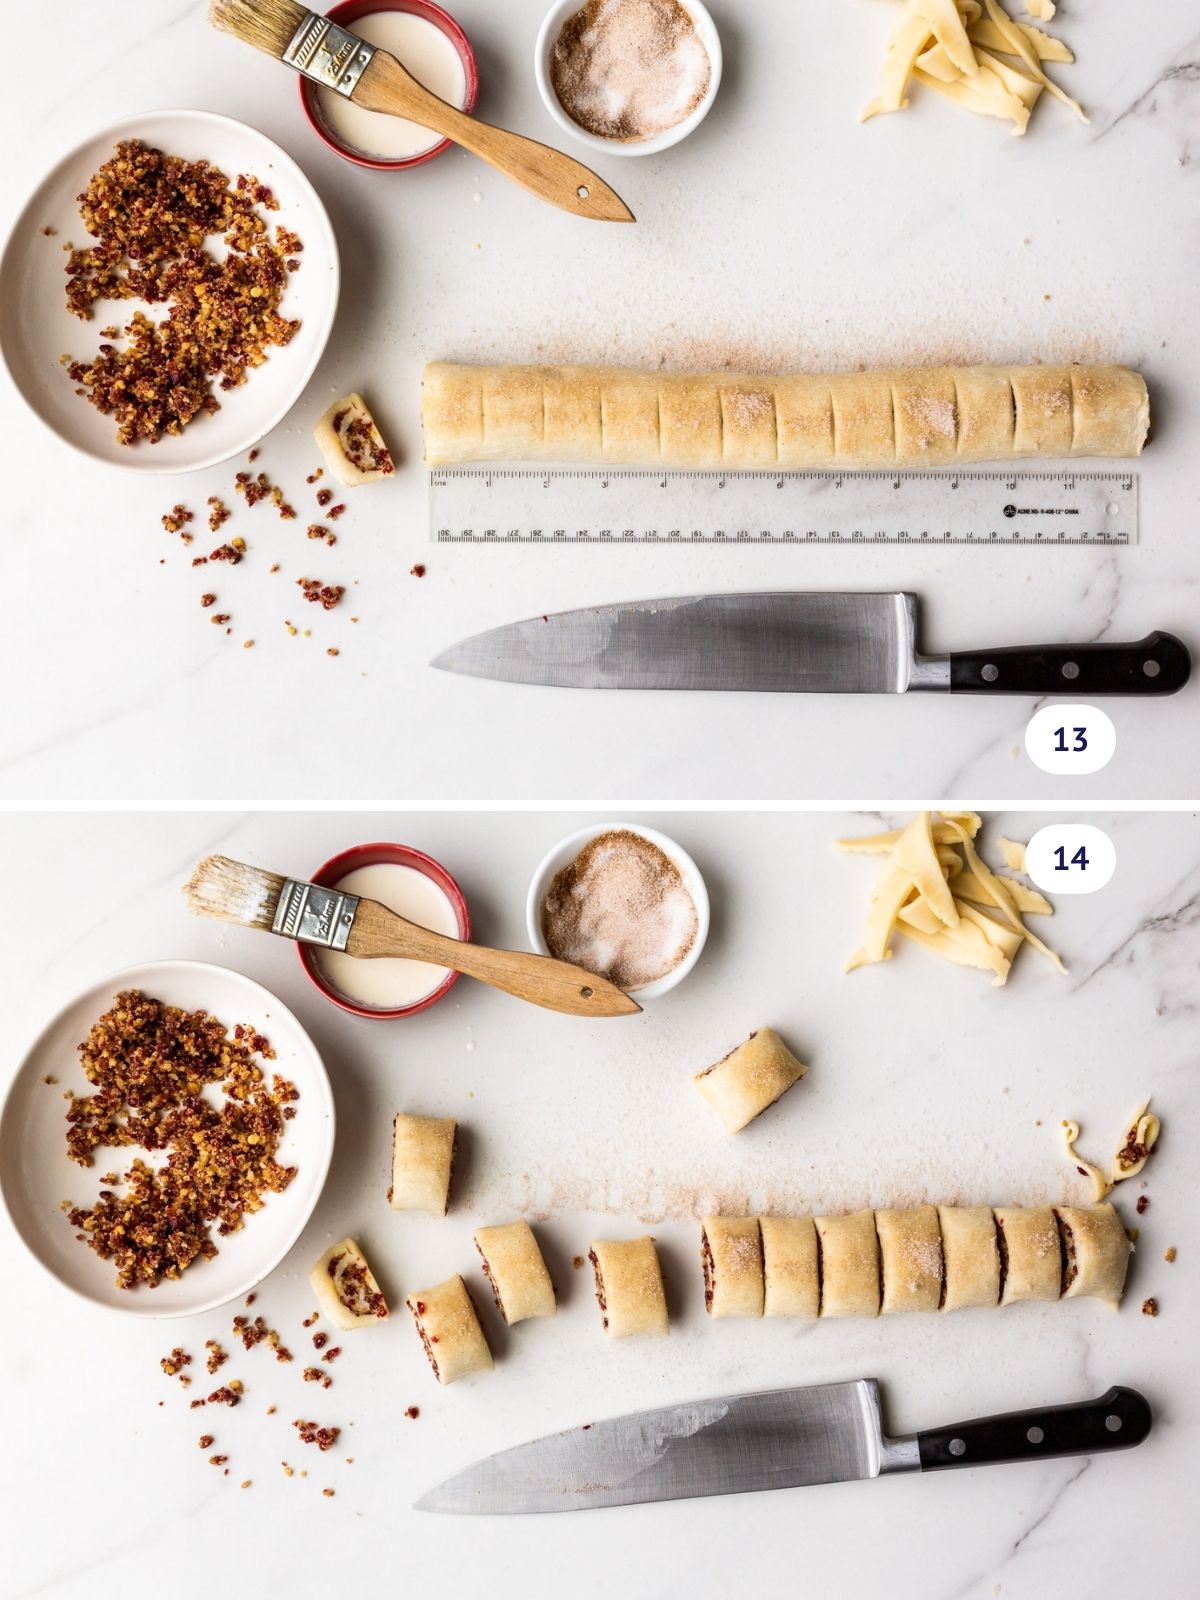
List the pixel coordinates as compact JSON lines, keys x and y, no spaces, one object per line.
{"x":1070,"y":858}
{"x":1070,"y":740}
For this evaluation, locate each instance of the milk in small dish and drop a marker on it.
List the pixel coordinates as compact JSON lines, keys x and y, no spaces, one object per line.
{"x":429,"y":55}
{"x":387,"y":983}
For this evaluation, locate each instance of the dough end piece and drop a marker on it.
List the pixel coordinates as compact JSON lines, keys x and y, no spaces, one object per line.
{"x":750,"y":1078}
{"x":346,"y":1289}
{"x":352,"y":445}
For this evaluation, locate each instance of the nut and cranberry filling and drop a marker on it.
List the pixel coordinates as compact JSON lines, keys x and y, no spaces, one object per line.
{"x":1070,"y":1266}
{"x":706,"y":1260}
{"x":600,"y":1300}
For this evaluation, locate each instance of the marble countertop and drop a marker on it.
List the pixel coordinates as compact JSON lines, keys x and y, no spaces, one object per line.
{"x":782,"y":234}
{"x":924,"y":1082}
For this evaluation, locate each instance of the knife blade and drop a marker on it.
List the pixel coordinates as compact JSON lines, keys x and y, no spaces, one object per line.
{"x":785,"y":641}
{"x":778,"y":1439}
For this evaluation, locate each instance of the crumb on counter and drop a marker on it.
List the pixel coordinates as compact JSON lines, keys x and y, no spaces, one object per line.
{"x":1150,"y":1307}
{"x":1169,"y":1253}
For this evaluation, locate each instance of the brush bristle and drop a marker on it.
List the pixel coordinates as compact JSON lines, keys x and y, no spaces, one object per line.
{"x":234,"y":892}
{"x":269,"y":25}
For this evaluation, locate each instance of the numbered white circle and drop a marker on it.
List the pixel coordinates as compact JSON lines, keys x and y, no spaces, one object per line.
{"x":1071,"y":740}
{"x":1070,"y":858}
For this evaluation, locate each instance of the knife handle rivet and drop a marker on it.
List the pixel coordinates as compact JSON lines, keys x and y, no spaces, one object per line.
{"x":1034,"y":1435}
{"x":1151,"y":668}
{"x":958,"y":1447}
{"x":990,"y":673}
{"x":1113,"y":1423}
{"x":1070,"y":669}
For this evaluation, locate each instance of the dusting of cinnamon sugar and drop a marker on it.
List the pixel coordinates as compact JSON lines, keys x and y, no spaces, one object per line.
{"x":620,"y":909}
{"x":629,"y":69}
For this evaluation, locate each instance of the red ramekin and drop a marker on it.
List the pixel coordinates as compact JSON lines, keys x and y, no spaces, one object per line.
{"x":370,"y":855}
{"x":347,"y":14}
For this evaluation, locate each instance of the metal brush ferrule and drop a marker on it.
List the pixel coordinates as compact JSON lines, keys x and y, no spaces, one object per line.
{"x":329,"y":55}
{"x":315,"y":915}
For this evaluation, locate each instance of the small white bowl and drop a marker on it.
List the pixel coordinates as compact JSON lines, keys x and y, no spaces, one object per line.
{"x":565,"y":852}
{"x":548,"y":37}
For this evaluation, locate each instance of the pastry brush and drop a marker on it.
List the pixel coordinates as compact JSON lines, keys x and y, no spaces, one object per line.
{"x":234,"y":892}
{"x":339,"y":60}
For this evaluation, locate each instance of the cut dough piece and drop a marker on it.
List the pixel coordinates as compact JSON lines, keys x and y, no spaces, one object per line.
{"x":791,"y":1271}
{"x":352,"y":444}
{"x":910,"y":1253}
{"x":972,"y":1257}
{"x":1013,"y":853}
{"x":422,"y":1163}
{"x":750,"y":1078}
{"x":849,"y":1265}
{"x":1101,"y":1183}
{"x":1144,"y":1130}
{"x":1095,"y":1252}
{"x":732,"y":1252}
{"x":449,"y":1327}
{"x":513,"y":1265}
{"x":906,"y":416}
{"x":1030,"y":1254}
{"x":346,"y":1289}
{"x":629,"y":1287}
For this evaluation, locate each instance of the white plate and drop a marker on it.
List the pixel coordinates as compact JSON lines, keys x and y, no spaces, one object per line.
{"x":36,"y":328}
{"x":36,"y":1174}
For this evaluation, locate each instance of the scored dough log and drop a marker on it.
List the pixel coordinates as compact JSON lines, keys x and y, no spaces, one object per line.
{"x":731,"y":1251}
{"x":1030,"y":1254}
{"x":629,"y":1287}
{"x":922,"y":1259}
{"x":849,"y":1265}
{"x":910,"y":1258}
{"x":1095,"y":1252}
{"x":791,"y":1272}
{"x":513,"y":1265}
{"x":903,"y":416}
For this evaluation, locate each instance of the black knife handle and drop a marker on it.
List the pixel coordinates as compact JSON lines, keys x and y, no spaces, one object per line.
{"x":1157,"y":664}
{"x":1116,"y":1421}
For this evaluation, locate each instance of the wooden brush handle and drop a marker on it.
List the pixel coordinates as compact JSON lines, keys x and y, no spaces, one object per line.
{"x":386,"y":86}
{"x":542,"y":981}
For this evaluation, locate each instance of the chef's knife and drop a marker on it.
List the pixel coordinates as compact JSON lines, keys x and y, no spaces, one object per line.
{"x":776,"y":1440}
{"x":824,"y":643}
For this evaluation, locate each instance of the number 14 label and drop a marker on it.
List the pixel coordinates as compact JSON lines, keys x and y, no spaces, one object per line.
{"x":1070,"y":858}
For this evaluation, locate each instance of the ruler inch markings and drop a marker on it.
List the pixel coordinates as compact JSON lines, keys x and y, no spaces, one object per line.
{"x":529,"y":505}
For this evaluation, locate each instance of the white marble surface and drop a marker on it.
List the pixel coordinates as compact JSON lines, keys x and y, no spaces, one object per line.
{"x":782,"y":234}
{"x":924,"y":1081}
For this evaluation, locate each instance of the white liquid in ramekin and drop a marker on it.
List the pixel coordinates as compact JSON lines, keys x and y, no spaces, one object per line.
{"x":432,"y":59}
{"x":387,"y":982}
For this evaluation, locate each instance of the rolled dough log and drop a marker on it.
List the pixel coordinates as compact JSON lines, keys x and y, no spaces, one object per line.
{"x":923,"y":1259}
{"x":902,"y":416}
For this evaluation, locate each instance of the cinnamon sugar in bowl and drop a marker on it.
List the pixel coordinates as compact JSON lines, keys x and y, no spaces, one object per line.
{"x":622,"y":901}
{"x":630,"y":77}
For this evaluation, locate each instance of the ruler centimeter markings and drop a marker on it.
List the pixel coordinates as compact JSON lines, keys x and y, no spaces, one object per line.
{"x":591,"y":505}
